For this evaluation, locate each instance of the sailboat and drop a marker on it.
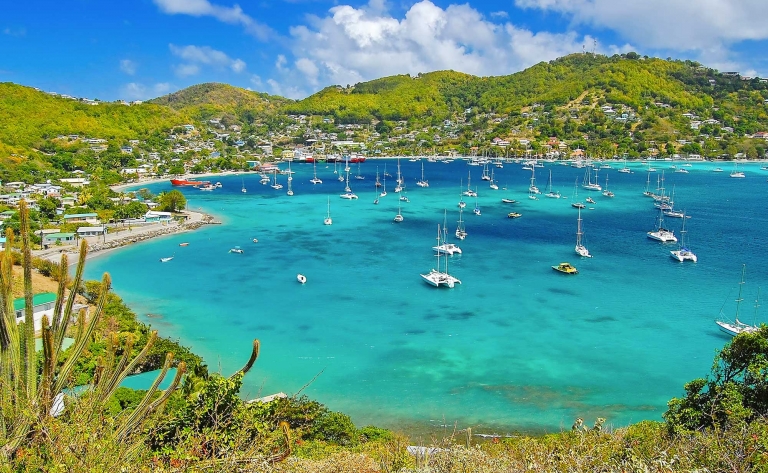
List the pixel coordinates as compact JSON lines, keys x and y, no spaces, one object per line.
{"x":422,"y":182}
{"x":647,"y":192}
{"x":399,"y":217}
{"x":477,"y":209}
{"x":550,"y":193}
{"x":587,"y":183}
{"x":493,"y":184}
{"x":606,"y":192}
{"x":736,"y":173}
{"x":328,"y":220}
{"x":581,"y":250}
{"x":662,"y":234}
{"x":576,"y":204}
{"x":625,"y":169}
{"x":445,"y":247}
{"x":485,"y":176}
{"x":438,"y":278}
{"x":335,"y":171}
{"x":384,"y":188}
{"x":290,"y":191}
{"x":532,"y":189}
{"x":243,"y":190}
{"x":737,"y":326}
{"x":469,"y":192}
{"x":399,"y":185}
{"x":314,"y":179}
{"x":461,"y":232}
{"x":378,"y":181}
{"x":348,"y":191}
{"x":359,"y":176}
{"x":683,"y":253}
{"x":276,"y":185}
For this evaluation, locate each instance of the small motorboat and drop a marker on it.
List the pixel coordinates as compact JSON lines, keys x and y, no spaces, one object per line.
{"x":184,"y":244}
{"x":514,"y":215}
{"x":236,"y":249}
{"x":565,"y":268}
{"x":590,"y":200}
{"x":508,"y":201}
{"x":255,"y":240}
{"x":301,"y":278}
{"x":165,"y":260}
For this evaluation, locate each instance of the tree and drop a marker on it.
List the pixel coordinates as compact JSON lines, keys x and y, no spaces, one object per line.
{"x":47,"y":207}
{"x":172,"y":201}
{"x":735,"y":392}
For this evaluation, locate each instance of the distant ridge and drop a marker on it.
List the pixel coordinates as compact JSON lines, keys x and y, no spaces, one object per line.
{"x":212,"y":97}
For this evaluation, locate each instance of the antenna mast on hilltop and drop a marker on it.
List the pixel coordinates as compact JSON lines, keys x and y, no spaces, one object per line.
{"x":584,"y":49}
{"x":594,"y":46}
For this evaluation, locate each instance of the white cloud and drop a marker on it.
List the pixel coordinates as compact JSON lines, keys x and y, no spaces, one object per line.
{"x":499,"y":14}
{"x":350,"y":45}
{"x":195,"y":56}
{"x":128,"y":66}
{"x":232,"y":15}
{"x":139,"y":91}
{"x":677,"y":25}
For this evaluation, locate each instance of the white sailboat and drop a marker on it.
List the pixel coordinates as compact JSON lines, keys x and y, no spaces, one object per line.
{"x":550,"y":193}
{"x":422,"y":182}
{"x":243,"y":189}
{"x":348,"y":191}
{"x":477,"y":209}
{"x":445,"y":247}
{"x":276,"y":184}
{"x":328,"y":220}
{"x":493,"y":184}
{"x":346,"y":187}
{"x":461,"y":231}
{"x":315,"y":179}
{"x":736,"y":173}
{"x":359,"y":176}
{"x":581,"y":250}
{"x":399,"y":217}
{"x":683,"y":253}
{"x":290,"y":190}
{"x":485,"y":176}
{"x":438,"y":278}
{"x":606,"y":192}
{"x":384,"y":188}
{"x":625,"y":169}
{"x":737,"y":326}
{"x":378,"y":181}
{"x":587,"y":183}
{"x":399,"y":185}
{"x":660,"y":233}
{"x":532,"y":189}
{"x":469,"y":192}
{"x":576,"y":204}
{"x":647,"y":192}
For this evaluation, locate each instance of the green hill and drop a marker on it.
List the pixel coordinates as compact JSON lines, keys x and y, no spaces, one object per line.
{"x":211,"y":99}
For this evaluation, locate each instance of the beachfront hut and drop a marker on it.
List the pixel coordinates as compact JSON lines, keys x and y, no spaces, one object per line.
{"x":42,"y":304}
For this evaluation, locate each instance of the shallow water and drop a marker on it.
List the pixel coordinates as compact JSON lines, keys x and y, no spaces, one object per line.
{"x":516,"y":346}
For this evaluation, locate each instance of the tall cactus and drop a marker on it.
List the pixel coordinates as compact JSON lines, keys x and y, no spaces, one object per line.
{"x":26,"y":396}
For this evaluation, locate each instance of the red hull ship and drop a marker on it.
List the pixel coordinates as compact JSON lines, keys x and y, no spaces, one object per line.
{"x":184,"y":182}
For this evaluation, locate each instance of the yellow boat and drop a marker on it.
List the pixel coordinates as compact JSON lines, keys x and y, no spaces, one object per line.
{"x":566,"y":268}
{"x":514,"y":215}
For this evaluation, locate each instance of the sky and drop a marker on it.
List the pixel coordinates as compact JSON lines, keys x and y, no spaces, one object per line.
{"x":140,"y":49}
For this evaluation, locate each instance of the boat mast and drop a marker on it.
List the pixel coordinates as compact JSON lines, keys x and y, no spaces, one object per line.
{"x":739,"y":299}
{"x":578,"y":230}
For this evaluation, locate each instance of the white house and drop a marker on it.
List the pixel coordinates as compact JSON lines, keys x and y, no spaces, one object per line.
{"x":83,"y":232}
{"x":156,"y":216}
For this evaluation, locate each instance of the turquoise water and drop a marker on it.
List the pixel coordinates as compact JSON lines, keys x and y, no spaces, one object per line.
{"x":516,"y":346}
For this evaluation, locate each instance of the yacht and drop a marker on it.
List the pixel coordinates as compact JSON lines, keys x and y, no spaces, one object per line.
{"x":328,"y":220}
{"x":662,"y":234}
{"x":236,"y":249}
{"x":683,"y":253}
{"x":438,"y":278}
{"x":588,"y":184}
{"x":737,"y":326}
{"x":348,"y":195}
{"x":581,"y":250}
{"x":565,"y":268}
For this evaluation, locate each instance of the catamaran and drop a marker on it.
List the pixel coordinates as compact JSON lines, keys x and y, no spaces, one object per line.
{"x":683,"y":253}
{"x":276,"y":184}
{"x":469,"y":192}
{"x":736,"y":173}
{"x":606,"y":192}
{"x":445,"y":247}
{"x":315,"y":179}
{"x":485,"y":176}
{"x":461,"y":232}
{"x":359,"y":176}
{"x":399,"y":217}
{"x":660,"y":233}
{"x":348,"y":191}
{"x":438,"y":278}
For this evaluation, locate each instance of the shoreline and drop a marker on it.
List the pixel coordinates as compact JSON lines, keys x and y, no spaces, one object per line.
{"x":121,"y":239}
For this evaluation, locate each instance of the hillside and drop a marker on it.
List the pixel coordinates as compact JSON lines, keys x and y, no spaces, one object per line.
{"x":211,"y":99}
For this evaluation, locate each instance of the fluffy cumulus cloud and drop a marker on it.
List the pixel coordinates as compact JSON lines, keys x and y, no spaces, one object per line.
{"x":350,"y":44}
{"x":676,"y":25}
{"x":201,"y":8}
{"x":197,"y":56}
{"x":128,"y":66}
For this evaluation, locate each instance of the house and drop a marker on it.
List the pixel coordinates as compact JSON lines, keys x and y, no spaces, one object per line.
{"x":75,"y":181}
{"x":156,"y":216}
{"x":58,"y":238}
{"x":7,"y":214}
{"x":83,"y":232}
{"x":91,"y":218}
{"x":43,"y":304}
{"x":126,"y":149}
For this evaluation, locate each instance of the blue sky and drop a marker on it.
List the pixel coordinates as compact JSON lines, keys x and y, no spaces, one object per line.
{"x":141,"y":49}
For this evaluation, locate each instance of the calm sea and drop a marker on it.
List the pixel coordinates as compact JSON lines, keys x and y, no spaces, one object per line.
{"x":516,"y":346}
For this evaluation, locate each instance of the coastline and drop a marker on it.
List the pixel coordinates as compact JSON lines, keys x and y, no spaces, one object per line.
{"x":156,"y":180}
{"x":127,"y":236}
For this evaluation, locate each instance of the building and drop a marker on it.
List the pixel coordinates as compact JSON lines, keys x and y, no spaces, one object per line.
{"x":83,"y":232}
{"x":156,"y":216}
{"x":58,"y":238}
{"x":91,"y":218}
{"x":43,"y":304}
